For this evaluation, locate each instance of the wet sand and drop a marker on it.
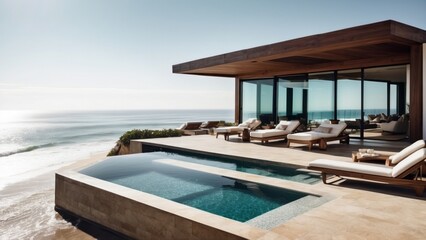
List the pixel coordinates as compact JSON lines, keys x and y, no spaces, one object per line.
{"x":27,"y":208}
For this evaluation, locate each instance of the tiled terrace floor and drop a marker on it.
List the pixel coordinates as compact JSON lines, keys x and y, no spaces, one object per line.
{"x":357,"y":210}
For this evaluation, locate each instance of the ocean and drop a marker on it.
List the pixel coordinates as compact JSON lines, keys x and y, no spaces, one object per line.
{"x":32,"y":143}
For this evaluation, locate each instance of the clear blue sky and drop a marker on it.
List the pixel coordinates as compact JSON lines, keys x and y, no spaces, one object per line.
{"x":79,"y":54}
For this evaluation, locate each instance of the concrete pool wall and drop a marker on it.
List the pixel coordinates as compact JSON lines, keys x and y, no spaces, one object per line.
{"x":143,"y":216}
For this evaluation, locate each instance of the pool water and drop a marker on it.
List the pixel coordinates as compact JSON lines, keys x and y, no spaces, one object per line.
{"x":227,"y":197}
{"x":287,"y":173}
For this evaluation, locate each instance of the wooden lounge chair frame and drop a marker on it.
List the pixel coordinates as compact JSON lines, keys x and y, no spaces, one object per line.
{"x":266,"y":139}
{"x":416,"y":183}
{"x":322,"y":142}
{"x":227,"y":134}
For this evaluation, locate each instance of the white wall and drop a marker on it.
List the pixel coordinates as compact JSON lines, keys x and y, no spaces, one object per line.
{"x":424,"y":90}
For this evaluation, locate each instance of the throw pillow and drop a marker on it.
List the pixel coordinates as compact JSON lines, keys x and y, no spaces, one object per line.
{"x":322,"y":129}
{"x":281,"y":127}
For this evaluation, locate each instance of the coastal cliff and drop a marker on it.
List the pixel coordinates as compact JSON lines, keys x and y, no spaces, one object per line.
{"x":122,"y":145}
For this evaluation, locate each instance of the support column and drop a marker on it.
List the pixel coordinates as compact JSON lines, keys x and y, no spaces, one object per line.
{"x":416,"y":93}
{"x":424,"y":90}
{"x":237,"y":100}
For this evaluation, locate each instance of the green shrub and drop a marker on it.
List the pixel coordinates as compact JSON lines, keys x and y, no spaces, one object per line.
{"x":147,"y":133}
{"x":226,"y":124}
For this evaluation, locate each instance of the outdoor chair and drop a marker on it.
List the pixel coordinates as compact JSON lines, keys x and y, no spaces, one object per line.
{"x":324,"y":133}
{"x":279,"y":132}
{"x":192,"y":128}
{"x":250,"y":124}
{"x":400,"y":174}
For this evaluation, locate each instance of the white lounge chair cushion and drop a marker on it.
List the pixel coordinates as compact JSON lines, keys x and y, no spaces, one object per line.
{"x":256,"y":123}
{"x":181,"y":127}
{"x":336,"y":129}
{"x":365,"y":168}
{"x":409,"y":161}
{"x":268,"y":133}
{"x":228,"y":129}
{"x":291,"y":125}
{"x":396,"y":158}
{"x":250,"y":121}
{"x":309,"y":136}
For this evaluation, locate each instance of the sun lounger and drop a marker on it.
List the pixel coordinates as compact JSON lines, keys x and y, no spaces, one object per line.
{"x":250,"y":124}
{"x":279,"y":132}
{"x":209,"y":124}
{"x":321,"y":135}
{"x":192,"y":128}
{"x":395,"y":175}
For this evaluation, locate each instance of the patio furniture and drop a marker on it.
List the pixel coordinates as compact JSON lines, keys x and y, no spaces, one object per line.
{"x":324,"y":133}
{"x":395,"y":175}
{"x":192,"y":128}
{"x":279,"y":132}
{"x":389,"y":159}
{"x":356,"y":125}
{"x":399,"y":126}
{"x":360,"y":157}
{"x":250,"y":124}
{"x":209,"y":126}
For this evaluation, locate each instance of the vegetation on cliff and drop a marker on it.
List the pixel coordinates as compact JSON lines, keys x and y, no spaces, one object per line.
{"x":123,"y":143}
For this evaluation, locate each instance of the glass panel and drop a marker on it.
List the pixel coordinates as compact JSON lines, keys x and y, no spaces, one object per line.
{"x":257,"y":99}
{"x":297,"y":101}
{"x":249,"y":99}
{"x":393,"y":99}
{"x":265,"y":111}
{"x":290,"y":97}
{"x":321,"y":97}
{"x":349,"y":95}
{"x":375,"y":98}
{"x":282,"y":99}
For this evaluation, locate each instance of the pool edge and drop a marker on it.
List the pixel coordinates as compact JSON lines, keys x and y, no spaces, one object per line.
{"x":141,"y":215}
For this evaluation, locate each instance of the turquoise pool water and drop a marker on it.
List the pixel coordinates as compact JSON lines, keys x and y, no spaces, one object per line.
{"x":227,"y":197}
{"x":287,"y":173}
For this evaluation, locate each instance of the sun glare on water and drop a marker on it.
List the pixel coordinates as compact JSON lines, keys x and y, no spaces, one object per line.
{"x":10,"y":116}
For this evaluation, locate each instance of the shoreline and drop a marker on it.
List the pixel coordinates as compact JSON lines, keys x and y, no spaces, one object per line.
{"x":27,"y":208}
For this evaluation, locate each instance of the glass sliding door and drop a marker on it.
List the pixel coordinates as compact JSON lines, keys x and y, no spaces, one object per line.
{"x":375,"y":98}
{"x":257,"y":99}
{"x":393,"y":98}
{"x":281,"y":100}
{"x":321,"y":97}
{"x":384,"y":100}
{"x":292,"y":92}
{"x":349,"y":100}
{"x":249,"y":99}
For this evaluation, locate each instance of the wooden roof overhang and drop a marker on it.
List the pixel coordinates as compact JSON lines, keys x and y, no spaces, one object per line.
{"x":378,"y":44}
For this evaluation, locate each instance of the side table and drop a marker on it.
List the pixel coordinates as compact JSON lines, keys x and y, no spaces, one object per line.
{"x":358,"y":157}
{"x":246,"y":135}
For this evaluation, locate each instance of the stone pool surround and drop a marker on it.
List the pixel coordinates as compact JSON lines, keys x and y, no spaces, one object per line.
{"x":140,"y":215}
{"x":145,"y":216}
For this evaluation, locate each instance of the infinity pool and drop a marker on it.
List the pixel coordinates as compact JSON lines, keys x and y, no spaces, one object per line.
{"x":259,"y":168}
{"x":227,"y":197}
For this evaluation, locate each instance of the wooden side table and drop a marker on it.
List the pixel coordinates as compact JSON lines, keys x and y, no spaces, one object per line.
{"x":358,"y":157}
{"x":246,"y":135}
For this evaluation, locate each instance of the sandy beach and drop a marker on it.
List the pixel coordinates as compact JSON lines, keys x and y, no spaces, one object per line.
{"x":27,"y":208}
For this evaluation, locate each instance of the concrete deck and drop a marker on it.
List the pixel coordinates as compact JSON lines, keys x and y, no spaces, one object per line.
{"x":356,"y":209}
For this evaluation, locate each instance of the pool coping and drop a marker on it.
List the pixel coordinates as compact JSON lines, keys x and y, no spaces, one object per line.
{"x":83,"y":204}
{"x":92,"y":199}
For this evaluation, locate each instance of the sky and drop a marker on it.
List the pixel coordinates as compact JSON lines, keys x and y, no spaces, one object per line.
{"x":103,"y":54}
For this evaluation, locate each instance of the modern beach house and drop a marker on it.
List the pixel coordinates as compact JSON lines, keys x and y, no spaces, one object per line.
{"x":202,"y":187}
{"x":370,"y":76}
